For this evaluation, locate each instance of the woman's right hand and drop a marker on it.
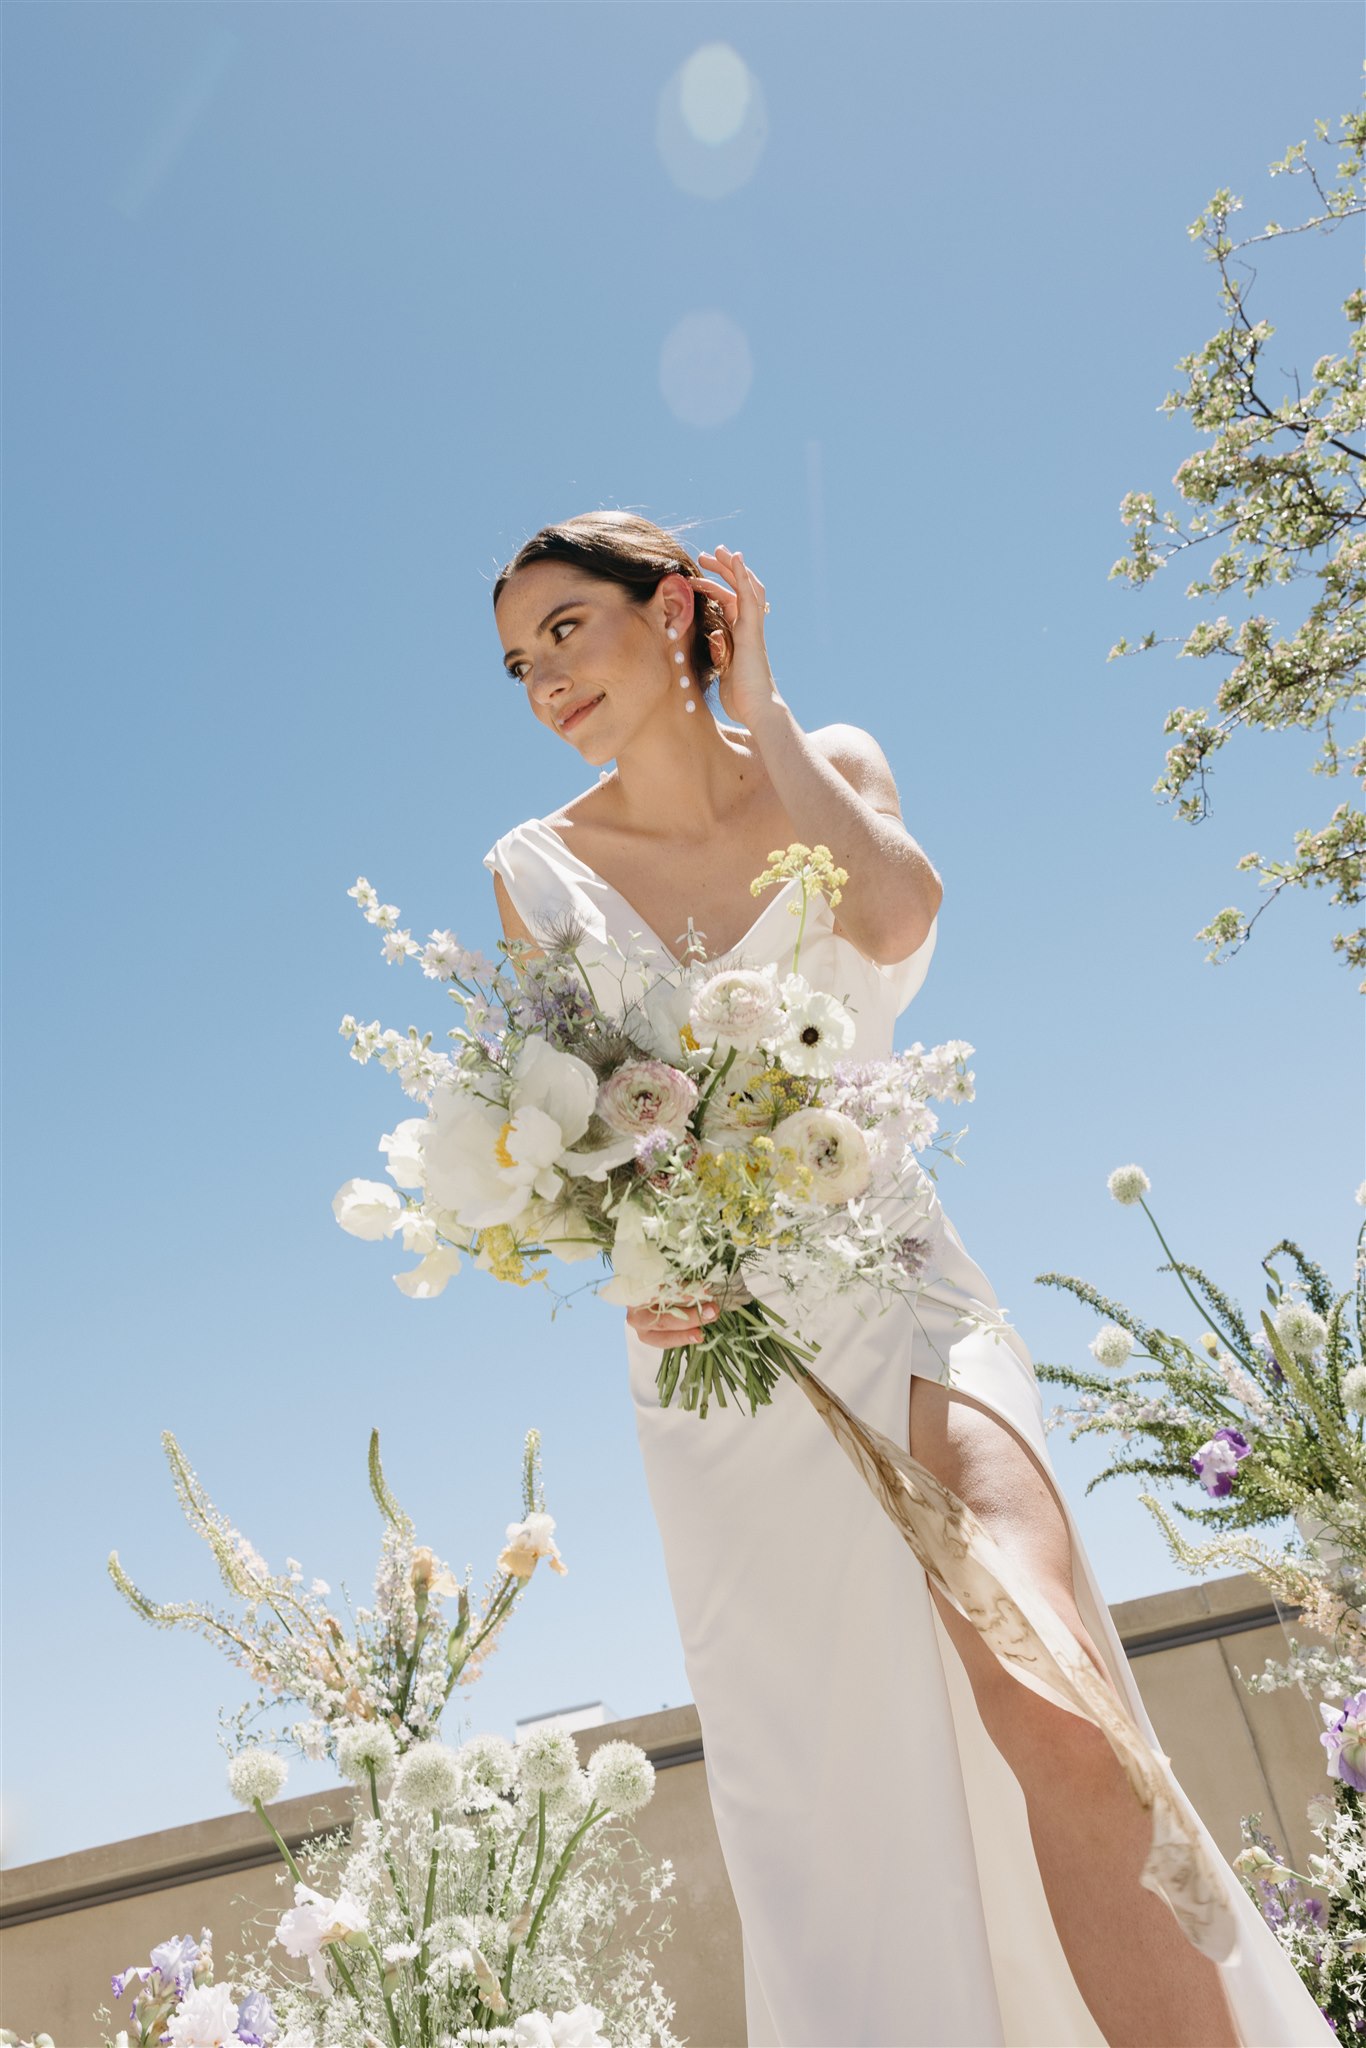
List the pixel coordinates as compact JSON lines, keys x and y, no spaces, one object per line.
{"x":665,"y":1328}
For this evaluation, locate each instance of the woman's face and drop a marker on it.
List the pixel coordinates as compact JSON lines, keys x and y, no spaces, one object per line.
{"x":595,"y":666}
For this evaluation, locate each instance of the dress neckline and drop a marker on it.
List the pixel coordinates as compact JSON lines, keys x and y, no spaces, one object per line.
{"x":612,"y":890}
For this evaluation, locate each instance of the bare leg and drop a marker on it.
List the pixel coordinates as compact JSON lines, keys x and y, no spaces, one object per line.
{"x":1143,"y":1982}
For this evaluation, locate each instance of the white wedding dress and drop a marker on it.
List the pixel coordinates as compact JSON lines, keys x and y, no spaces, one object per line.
{"x":876,"y":1842}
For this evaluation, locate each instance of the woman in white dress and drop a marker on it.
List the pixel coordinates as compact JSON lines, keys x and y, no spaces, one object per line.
{"x":923,"y":1848}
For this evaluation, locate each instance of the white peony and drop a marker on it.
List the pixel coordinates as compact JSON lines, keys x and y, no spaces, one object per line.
{"x":639,"y":1269}
{"x":404,"y":1148}
{"x":207,"y":2018}
{"x":486,"y":1162}
{"x":832,"y":1146}
{"x":367,"y":1208}
{"x":313,"y":1922}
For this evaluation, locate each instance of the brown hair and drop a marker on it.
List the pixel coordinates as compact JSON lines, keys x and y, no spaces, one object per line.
{"x":624,"y":548}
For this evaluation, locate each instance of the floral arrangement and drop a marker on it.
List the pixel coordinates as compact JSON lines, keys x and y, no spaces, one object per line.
{"x":479,"y":1894}
{"x":397,"y":1661}
{"x":1269,"y":1423}
{"x":705,"y":1130}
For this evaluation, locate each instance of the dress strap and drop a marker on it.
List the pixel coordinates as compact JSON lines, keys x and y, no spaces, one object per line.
{"x":542,"y":877}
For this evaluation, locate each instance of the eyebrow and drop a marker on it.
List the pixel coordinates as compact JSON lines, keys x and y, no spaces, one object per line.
{"x":563,"y":606}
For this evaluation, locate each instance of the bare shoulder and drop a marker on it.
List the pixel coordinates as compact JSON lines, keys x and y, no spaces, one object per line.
{"x":582,"y":809}
{"x":862,"y":763}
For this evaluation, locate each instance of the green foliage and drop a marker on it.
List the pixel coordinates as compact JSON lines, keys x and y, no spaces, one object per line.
{"x":1279,"y":489}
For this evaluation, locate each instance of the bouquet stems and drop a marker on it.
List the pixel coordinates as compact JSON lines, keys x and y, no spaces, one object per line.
{"x":743,"y":1352}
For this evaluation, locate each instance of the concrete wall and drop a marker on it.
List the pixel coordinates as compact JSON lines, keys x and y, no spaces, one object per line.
{"x":67,"y":1924}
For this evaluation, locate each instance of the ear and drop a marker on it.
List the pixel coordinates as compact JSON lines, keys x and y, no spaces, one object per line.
{"x":675,"y":594}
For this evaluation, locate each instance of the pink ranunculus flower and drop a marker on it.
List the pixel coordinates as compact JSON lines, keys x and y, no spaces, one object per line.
{"x":647,"y":1095}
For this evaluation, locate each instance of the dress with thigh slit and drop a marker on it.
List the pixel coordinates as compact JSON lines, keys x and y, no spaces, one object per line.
{"x":876,"y":1842}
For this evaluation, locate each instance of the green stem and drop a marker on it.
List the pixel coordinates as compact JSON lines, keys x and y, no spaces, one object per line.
{"x":1196,"y":1303}
{"x":338,"y":1958}
{"x":590,"y":1819}
{"x":801,"y":927}
{"x":400,"y":1892}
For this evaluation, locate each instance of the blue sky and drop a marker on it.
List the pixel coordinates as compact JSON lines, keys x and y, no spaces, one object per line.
{"x":314,"y":313}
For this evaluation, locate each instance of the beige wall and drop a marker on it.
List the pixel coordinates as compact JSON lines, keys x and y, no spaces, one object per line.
{"x":67,"y":1924}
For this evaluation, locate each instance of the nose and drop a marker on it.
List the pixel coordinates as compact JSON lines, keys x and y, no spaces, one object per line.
{"x":548,"y":682}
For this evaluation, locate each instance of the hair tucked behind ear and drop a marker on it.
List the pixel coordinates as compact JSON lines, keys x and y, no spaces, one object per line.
{"x":624,"y":548}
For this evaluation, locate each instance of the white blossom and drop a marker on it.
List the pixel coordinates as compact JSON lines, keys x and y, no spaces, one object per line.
{"x":368,"y":1209}
{"x":206,"y":2018}
{"x":817,"y":1030}
{"x":1354,"y":1389}
{"x":428,"y":1777}
{"x":1111,"y":1346}
{"x":257,"y":1774}
{"x":546,"y":1758}
{"x":1299,"y":1329}
{"x":621,"y":1777}
{"x":1128,"y":1184}
{"x":362,"y":1744}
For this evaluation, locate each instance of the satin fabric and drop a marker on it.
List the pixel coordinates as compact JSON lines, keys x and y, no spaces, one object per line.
{"x":876,"y":1842}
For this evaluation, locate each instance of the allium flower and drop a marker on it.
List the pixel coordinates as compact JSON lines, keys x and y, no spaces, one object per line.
{"x":1128,"y":1184}
{"x":1345,"y":1741}
{"x":365,"y":1744}
{"x":1299,"y":1329}
{"x":547,"y":1758}
{"x":738,"y":1007}
{"x":489,"y":1760}
{"x":1111,"y":1346}
{"x":1217,"y":1461}
{"x":577,"y":2029}
{"x":257,"y":1774}
{"x":645,"y":1096}
{"x":527,"y":1541}
{"x":429,"y":1777}
{"x":207,"y":2018}
{"x":313,"y":1923}
{"x":1354,"y":1389}
{"x":832,"y":1146}
{"x":367,"y":1208}
{"x":817,"y":1030}
{"x":621,"y":1777}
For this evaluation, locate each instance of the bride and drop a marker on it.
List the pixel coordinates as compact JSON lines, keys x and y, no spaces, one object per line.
{"x":923,"y":1847}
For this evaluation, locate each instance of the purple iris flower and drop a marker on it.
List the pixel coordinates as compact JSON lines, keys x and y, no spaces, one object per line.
{"x":256,"y":2021}
{"x":175,"y":1959}
{"x":1216,"y":1461}
{"x":1345,"y":1741}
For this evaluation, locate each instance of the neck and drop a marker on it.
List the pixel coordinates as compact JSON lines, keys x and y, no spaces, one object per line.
{"x":681,"y":776}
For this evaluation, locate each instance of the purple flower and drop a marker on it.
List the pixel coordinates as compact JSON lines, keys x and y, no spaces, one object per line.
{"x":175,"y":1960}
{"x":256,"y":2021}
{"x":1216,"y":1461}
{"x":1345,"y":1741}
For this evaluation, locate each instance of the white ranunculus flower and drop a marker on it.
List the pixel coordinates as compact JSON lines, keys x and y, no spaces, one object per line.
{"x":427,"y":1279}
{"x":207,"y":2017}
{"x":738,"y":1007}
{"x":367,"y":1208}
{"x":639,"y":1269}
{"x":832,"y":1146}
{"x":404,"y":1148}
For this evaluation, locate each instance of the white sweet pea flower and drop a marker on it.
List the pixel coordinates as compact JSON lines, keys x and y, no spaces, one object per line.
{"x":419,"y":1232}
{"x":639,"y":1269}
{"x":428,"y":1278}
{"x":313,"y":1922}
{"x":367,"y":1208}
{"x":404,"y":1146}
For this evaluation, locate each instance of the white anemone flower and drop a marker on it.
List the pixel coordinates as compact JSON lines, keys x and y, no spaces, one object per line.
{"x":817,"y":1032}
{"x":485,"y":1162}
{"x":368,"y":1209}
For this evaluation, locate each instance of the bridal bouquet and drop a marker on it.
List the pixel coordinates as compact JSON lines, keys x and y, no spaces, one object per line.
{"x":703,"y":1131}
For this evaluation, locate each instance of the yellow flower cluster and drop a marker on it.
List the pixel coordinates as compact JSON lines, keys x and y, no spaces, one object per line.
{"x":766,"y":1101}
{"x":500,"y":1254}
{"x":742,"y":1180}
{"x":813,"y":866}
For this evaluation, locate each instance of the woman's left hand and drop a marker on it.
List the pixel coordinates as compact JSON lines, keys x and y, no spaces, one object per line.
{"x":747,"y":686}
